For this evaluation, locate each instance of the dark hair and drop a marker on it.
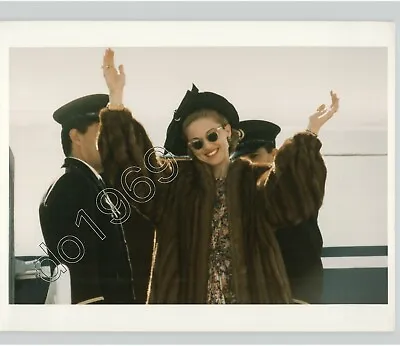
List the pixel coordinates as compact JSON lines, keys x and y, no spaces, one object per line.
{"x":269,"y":147}
{"x":82,"y":127}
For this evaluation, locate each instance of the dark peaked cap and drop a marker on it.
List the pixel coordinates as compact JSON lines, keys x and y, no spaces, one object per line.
{"x":83,"y":108}
{"x":257,"y":133}
{"x":194,"y":101}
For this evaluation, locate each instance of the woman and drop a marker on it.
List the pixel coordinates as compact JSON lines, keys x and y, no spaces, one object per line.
{"x":215,"y":220}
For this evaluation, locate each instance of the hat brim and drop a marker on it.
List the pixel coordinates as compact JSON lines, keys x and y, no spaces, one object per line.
{"x":247,"y":149}
{"x":83,"y":109}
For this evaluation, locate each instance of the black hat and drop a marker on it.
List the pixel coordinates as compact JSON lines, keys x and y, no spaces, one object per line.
{"x":84,"y":108}
{"x":257,"y":133}
{"x":194,"y":101}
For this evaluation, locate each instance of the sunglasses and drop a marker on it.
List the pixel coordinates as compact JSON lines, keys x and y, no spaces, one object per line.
{"x":211,"y":136}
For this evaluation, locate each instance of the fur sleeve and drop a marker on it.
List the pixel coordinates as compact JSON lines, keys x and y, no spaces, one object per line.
{"x":131,"y":165}
{"x":294,"y":188}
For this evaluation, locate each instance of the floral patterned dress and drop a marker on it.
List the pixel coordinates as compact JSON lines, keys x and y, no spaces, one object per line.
{"x":220,"y":271}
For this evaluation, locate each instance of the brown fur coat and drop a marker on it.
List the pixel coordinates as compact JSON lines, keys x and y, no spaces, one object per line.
{"x":260,"y":199}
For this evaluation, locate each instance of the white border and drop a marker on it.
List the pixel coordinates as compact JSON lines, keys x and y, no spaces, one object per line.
{"x":199,"y":34}
{"x":193,"y":318}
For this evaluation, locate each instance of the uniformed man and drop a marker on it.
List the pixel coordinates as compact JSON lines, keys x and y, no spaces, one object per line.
{"x":81,"y":225}
{"x":301,"y":245}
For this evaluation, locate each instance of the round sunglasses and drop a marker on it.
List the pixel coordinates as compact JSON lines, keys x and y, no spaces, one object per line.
{"x":211,"y":136}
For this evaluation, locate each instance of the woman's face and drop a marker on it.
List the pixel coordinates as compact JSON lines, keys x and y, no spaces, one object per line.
{"x":208,"y":140}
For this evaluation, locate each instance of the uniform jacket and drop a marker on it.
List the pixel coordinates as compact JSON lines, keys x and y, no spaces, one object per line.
{"x":101,"y":272}
{"x":260,"y":200}
{"x":140,"y":238}
{"x":301,"y":248}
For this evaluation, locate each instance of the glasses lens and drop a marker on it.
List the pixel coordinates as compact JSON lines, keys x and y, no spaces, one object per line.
{"x":212,"y":137}
{"x":197,"y":145}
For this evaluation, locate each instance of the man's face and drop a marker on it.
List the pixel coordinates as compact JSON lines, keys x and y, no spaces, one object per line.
{"x":261,"y":155}
{"x":86,"y":146}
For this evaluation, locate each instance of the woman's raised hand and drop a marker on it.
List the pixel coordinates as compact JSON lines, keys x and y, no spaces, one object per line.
{"x":323,"y":114}
{"x":114,"y":78}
